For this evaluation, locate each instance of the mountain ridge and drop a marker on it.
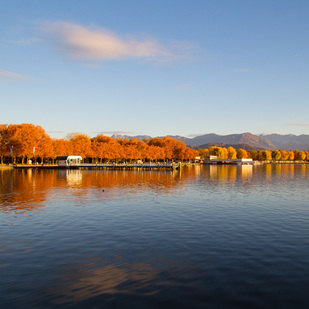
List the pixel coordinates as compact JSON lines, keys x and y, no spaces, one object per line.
{"x":257,"y":142}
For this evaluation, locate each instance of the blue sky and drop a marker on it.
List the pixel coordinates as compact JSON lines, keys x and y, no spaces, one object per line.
{"x":160,"y":67}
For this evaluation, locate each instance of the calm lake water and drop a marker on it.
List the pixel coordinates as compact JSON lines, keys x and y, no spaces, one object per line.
{"x":204,"y":237}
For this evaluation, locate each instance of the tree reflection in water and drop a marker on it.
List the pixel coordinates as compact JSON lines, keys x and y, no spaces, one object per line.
{"x":27,"y":190}
{"x":153,"y":236}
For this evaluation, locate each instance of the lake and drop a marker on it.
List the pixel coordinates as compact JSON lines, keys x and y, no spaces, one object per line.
{"x":202,"y":237}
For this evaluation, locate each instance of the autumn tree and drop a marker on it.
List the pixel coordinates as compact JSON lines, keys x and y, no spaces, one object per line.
{"x":284,"y":155}
{"x":190,"y":154}
{"x":130,"y":151}
{"x":225,"y":153}
{"x":231,"y":153}
{"x":25,"y":139}
{"x":142,"y":149}
{"x":242,"y":154}
{"x":98,"y":145}
{"x":203,"y":152}
{"x":115,"y":150}
{"x":105,"y":147}
{"x":180,"y":151}
{"x":4,"y":141}
{"x":276,"y":155}
{"x":300,"y":155}
{"x":61,"y":147}
{"x":44,"y":148}
{"x":155,"y":153}
{"x":290,"y":155}
{"x":81,"y":145}
{"x":264,"y":155}
{"x":253,"y":154}
{"x":220,"y":152}
{"x":167,"y":143}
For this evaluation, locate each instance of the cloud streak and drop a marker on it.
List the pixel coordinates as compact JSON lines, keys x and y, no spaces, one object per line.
{"x":299,"y":124}
{"x":51,"y":132}
{"x":94,"y":43}
{"x":115,"y":132}
{"x":195,"y":135}
{"x":10,"y":75}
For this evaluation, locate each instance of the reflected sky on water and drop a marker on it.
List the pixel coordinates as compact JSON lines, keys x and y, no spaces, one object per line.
{"x":205,"y":236}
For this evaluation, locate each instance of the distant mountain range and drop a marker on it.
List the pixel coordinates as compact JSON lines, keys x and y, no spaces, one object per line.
{"x":245,"y":141}
{"x":236,"y":146}
{"x":231,"y":139}
{"x":289,"y":141}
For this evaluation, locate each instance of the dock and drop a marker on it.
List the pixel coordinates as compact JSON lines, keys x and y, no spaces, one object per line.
{"x":108,"y":166}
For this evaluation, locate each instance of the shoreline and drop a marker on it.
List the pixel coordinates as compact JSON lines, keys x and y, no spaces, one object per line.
{"x":6,"y":167}
{"x":54,"y":166}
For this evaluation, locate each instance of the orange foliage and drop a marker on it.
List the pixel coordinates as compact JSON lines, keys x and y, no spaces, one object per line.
{"x":242,"y":154}
{"x":45,"y":148}
{"x":81,"y":145}
{"x":173,"y":149}
{"x":25,"y":137}
{"x":62,"y":147}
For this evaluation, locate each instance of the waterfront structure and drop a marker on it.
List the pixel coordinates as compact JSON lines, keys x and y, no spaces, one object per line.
{"x":215,"y":160}
{"x":69,"y":160}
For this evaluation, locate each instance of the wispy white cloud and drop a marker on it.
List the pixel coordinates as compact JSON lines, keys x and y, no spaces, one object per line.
{"x":115,"y":132}
{"x":95,"y":43}
{"x":194,"y":135}
{"x":55,"y":132}
{"x":299,"y":124}
{"x":10,"y":75}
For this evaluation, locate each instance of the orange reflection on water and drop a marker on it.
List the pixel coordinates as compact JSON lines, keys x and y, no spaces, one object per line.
{"x":25,"y":190}
{"x":223,"y":173}
{"x":110,"y":279}
{"x":246,"y":171}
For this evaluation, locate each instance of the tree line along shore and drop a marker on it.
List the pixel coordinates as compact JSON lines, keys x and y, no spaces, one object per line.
{"x":261,"y":155}
{"x":20,"y":143}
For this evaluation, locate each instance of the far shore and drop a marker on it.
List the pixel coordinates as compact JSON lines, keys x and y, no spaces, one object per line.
{"x":52,"y":166}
